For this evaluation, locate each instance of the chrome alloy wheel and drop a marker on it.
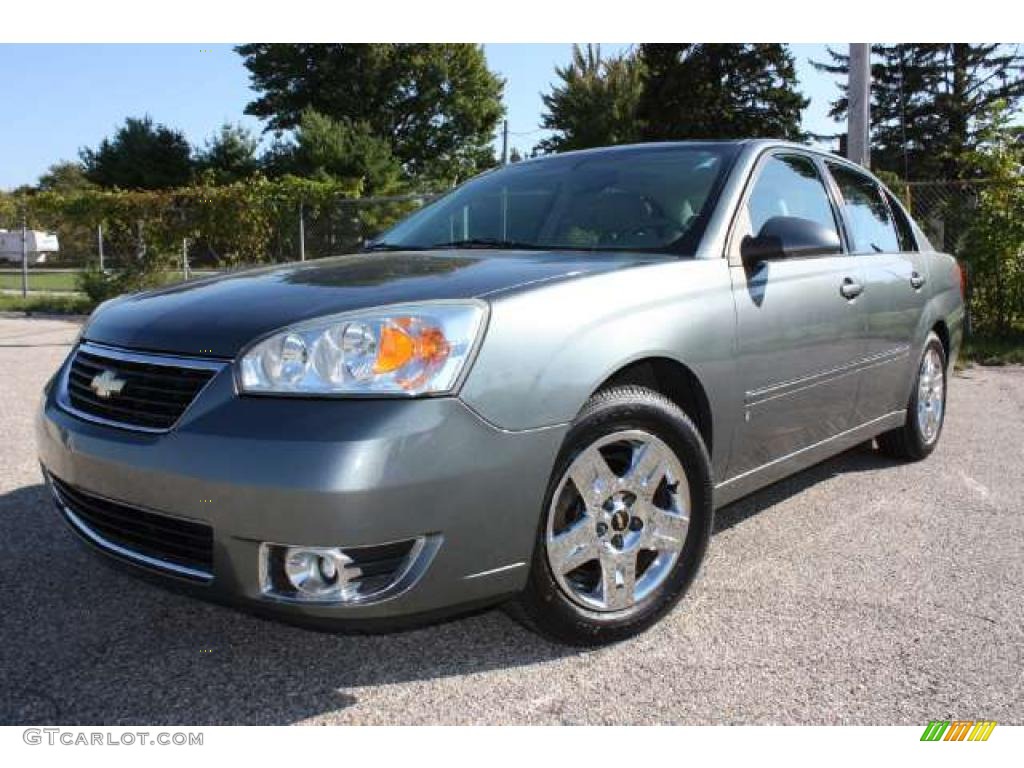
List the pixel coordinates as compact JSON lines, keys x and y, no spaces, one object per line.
{"x":618,"y":521}
{"x":931,"y":391}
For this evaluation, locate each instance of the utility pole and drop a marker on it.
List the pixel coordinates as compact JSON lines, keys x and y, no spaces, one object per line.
{"x":24,"y":254}
{"x":302,"y":235}
{"x":504,"y":143}
{"x":858,"y":144}
{"x":99,"y":243}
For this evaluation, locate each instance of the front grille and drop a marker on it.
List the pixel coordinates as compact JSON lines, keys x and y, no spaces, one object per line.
{"x":183,"y":547}
{"x":141,"y":391}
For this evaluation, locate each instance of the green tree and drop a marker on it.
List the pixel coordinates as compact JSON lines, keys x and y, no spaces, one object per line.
{"x":929,"y":102}
{"x":595,"y":102}
{"x":230,"y":155}
{"x":65,"y":176}
{"x":994,"y":245}
{"x":719,"y":91}
{"x":437,"y":105}
{"x":141,"y":155}
{"x":324,"y":149}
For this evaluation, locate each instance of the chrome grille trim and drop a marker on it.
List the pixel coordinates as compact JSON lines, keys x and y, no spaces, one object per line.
{"x":144,"y":358}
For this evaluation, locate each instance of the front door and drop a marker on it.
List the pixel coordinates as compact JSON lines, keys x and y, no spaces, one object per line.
{"x":800,"y":326}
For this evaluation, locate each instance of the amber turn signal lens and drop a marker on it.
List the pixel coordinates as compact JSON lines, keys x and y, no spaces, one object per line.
{"x":396,"y":349}
{"x":403,"y":341}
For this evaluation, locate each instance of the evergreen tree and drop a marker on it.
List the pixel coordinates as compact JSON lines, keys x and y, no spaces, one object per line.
{"x":595,"y":102}
{"x":141,"y":155}
{"x":719,"y":91}
{"x":929,"y":102}
{"x":230,"y":155}
{"x":326,"y":149}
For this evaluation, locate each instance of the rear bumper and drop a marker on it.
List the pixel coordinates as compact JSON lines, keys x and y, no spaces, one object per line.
{"x":350,"y":473}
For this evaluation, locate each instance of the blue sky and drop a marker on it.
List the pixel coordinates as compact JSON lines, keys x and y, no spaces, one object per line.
{"x":58,"y":98}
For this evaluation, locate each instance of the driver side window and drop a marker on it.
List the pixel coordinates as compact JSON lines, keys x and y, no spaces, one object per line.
{"x":790,"y":186}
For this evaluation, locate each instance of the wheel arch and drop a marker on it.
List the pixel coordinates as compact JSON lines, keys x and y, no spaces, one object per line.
{"x":674,"y":380}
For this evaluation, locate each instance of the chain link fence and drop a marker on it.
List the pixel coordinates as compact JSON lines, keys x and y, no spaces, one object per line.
{"x":291,"y":232}
{"x":348,"y":224}
{"x":981,"y":223}
{"x":942,"y":209}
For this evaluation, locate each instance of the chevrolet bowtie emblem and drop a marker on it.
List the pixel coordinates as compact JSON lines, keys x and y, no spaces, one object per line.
{"x":106,"y":384}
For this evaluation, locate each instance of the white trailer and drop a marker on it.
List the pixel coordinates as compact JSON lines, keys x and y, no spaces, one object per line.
{"x":37,"y":243}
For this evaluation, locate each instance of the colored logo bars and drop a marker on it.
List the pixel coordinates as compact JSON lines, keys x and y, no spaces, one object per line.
{"x":958,"y":730}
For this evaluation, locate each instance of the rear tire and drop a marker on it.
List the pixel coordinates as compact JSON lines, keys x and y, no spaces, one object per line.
{"x":616,"y":552}
{"x":926,"y":410}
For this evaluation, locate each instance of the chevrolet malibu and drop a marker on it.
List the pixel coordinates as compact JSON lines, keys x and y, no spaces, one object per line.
{"x":534,"y":391}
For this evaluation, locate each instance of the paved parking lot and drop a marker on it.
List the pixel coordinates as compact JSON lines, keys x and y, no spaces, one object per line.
{"x":861,"y":591}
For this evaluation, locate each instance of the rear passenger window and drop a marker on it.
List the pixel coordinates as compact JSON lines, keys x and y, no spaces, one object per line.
{"x":903,"y":228}
{"x":789,"y":185}
{"x":866,"y":212}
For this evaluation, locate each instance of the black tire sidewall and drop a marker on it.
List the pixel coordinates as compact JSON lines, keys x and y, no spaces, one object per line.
{"x":549,"y":606}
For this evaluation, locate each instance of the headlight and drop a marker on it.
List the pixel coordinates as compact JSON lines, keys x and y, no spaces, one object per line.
{"x":404,"y":350}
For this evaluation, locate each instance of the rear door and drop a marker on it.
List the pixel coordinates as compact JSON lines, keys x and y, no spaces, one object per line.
{"x":895,"y":276}
{"x":800,"y":329}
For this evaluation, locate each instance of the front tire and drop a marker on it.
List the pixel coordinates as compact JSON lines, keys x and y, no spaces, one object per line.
{"x":926,"y":410}
{"x":626,"y":521}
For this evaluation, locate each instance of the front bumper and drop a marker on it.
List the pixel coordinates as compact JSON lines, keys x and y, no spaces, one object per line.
{"x":328,"y":472}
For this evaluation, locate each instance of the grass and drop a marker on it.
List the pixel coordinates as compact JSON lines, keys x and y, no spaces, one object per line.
{"x":994,"y":350}
{"x":46,"y":303}
{"x":39,"y":280}
{"x":60,"y":280}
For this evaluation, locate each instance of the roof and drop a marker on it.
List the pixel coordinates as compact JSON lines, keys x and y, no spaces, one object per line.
{"x":752,"y":145}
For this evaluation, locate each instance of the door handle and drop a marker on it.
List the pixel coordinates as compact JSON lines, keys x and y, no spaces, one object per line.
{"x":917,"y":280}
{"x":851,"y":289}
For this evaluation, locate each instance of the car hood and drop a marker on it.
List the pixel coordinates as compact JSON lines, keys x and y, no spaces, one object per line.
{"x":218,"y":316}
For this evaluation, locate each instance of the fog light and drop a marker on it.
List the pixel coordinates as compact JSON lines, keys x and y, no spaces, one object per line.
{"x":318,"y":573}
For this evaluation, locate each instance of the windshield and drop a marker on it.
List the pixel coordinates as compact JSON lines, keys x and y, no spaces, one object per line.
{"x":650,"y":198}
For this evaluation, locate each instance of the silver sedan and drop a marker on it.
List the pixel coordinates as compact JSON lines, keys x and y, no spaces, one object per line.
{"x":535,"y":391}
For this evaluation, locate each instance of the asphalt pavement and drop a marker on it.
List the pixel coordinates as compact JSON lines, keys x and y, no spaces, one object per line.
{"x":861,"y":591}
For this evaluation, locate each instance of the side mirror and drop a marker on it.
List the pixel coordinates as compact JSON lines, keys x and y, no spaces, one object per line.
{"x":789,"y":237}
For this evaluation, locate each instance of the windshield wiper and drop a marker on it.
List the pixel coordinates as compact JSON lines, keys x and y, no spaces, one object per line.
{"x":382,"y":246}
{"x":490,"y":242}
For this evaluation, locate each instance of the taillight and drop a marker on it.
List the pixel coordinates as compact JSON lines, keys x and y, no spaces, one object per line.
{"x":961,"y":274}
